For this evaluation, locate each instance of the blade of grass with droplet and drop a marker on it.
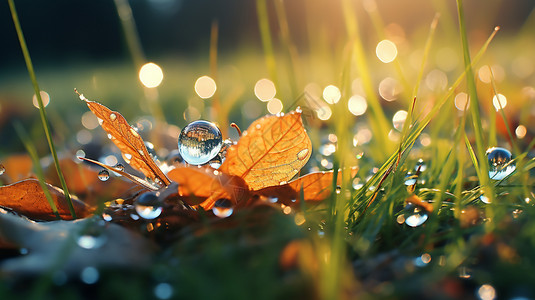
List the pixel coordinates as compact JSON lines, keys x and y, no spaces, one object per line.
{"x":474,"y":105}
{"x":42,"y":112}
{"x":30,"y":148}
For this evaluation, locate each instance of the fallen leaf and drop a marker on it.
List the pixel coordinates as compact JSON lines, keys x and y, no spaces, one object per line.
{"x":71,"y":246}
{"x":27,"y":198}
{"x":127,"y":139}
{"x":203,"y":186}
{"x":270,"y":152}
{"x":316,"y":186}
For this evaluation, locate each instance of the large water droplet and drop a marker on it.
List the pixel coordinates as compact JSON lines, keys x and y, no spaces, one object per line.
{"x":151,"y":150}
{"x":410,"y":179}
{"x":223,"y":208}
{"x":415,"y":216}
{"x":119,"y":167}
{"x":501,"y":164}
{"x":199,"y":142}
{"x":104,"y":175}
{"x":148,"y":206}
{"x":2,"y":169}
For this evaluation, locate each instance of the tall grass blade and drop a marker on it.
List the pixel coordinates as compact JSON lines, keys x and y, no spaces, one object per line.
{"x":37,"y":165}
{"x":44,"y":118}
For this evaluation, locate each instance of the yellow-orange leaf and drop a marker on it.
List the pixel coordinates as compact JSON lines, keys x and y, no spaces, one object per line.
{"x":203,"y":186}
{"x":315,"y":186}
{"x":127,"y":140}
{"x":270,"y":152}
{"x":27,"y":197}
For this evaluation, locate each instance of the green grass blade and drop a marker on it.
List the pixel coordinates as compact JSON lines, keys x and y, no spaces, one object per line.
{"x":37,"y":165}
{"x":472,"y":92}
{"x":265,"y":34}
{"x":42,"y":111}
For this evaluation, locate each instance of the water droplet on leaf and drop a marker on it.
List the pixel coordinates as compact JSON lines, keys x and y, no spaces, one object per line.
{"x":500,"y":162}
{"x":301,"y":155}
{"x":420,"y":165}
{"x":199,"y":142}
{"x":2,"y":169}
{"x":104,"y":175}
{"x":410,"y":179}
{"x":223,"y":208}
{"x":91,"y":240}
{"x":113,"y":117}
{"x":148,"y":206}
{"x":119,"y":167}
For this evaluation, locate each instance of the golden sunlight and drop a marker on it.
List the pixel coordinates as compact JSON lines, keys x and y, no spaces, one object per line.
{"x":265,"y":90}
{"x":462,"y":101}
{"x":386,"y":51}
{"x":332,"y":94}
{"x":44,"y":96}
{"x":151,"y":75}
{"x":205,"y":87}
{"x":499,"y":101}
{"x":357,"y":105}
{"x":274,"y":106}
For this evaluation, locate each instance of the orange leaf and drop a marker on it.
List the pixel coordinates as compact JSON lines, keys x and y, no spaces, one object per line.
{"x":26,"y":197}
{"x":203,"y":186}
{"x":270,"y":152}
{"x":316,"y":186}
{"x":127,"y":140}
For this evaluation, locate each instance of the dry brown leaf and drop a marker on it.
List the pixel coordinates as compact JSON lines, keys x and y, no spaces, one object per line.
{"x":127,"y":140}
{"x":316,"y":186}
{"x":203,"y":186}
{"x":270,"y":152}
{"x":26,"y":197}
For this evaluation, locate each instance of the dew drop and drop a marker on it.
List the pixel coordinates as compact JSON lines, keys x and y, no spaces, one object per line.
{"x":113,"y":117}
{"x":106,"y":217}
{"x":501,"y":163}
{"x":91,"y":240}
{"x":484,"y":199}
{"x":415,"y":216}
{"x":302,"y":155}
{"x":216,"y":162}
{"x":127,"y":157}
{"x":223,"y":208}
{"x":2,"y":169}
{"x":199,"y":142}
{"x":148,"y":206}
{"x":420,"y":165}
{"x":119,"y":167}
{"x":410,"y":179}
{"x":100,"y":121}
{"x":103,"y":175}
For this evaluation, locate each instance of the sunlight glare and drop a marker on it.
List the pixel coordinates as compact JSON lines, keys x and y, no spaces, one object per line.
{"x":499,"y":101}
{"x":357,"y":105}
{"x":389,"y":89}
{"x":461,"y":101}
{"x":151,"y":75}
{"x":386,"y":51}
{"x":399,"y":119}
{"x":265,"y":90}
{"x":44,"y":96}
{"x":331,"y":94}
{"x":274,"y":106}
{"x":205,"y":87}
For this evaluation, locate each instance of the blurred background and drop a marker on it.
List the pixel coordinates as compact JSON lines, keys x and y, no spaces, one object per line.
{"x":99,"y":47}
